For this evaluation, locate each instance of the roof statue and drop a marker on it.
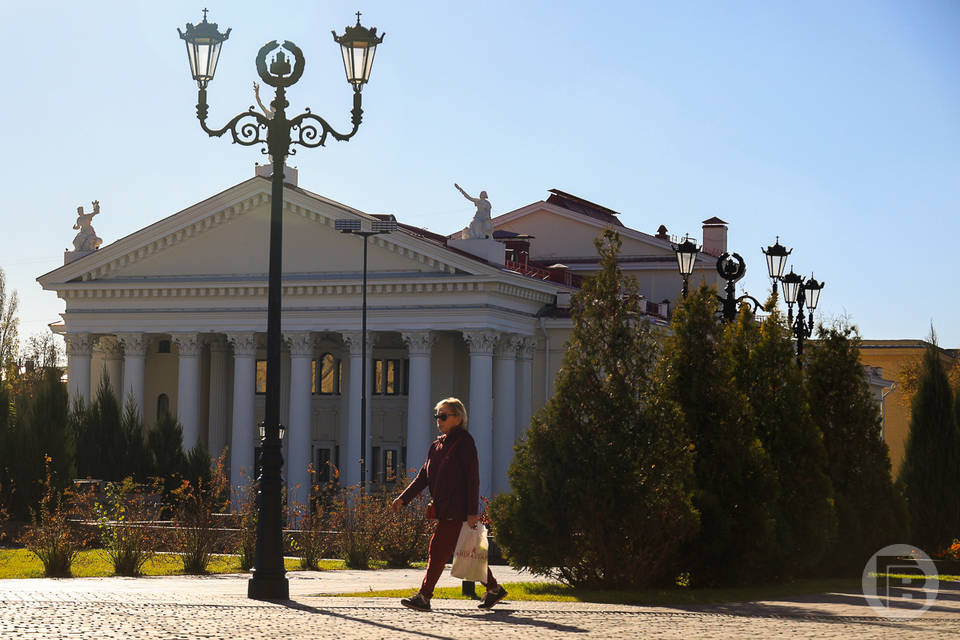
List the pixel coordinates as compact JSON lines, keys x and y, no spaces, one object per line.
{"x":87,"y":239}
{"x":481,"y":226}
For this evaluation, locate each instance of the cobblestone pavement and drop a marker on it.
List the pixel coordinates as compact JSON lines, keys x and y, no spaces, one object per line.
{"x":185,"y":608}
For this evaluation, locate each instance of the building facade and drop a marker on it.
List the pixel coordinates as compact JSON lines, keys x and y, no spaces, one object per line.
{"x":173,"y":316}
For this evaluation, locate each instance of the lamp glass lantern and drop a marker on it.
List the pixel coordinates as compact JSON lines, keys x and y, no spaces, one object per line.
{"x":791,"y":286}
{"x":776,"y":259}
{"x":262,"y":430}
{"x":203,"y":49}
{"x":686,"y":256}
{"x":811,"y":290}
{"x":358,"y":46}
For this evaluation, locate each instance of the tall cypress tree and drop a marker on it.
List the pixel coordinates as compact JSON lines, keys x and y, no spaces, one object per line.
{"x":599,"y":484}
{"x":735,"y":485}
{"x":930,"y":475}
{"x":766,"y":372}
{"x":870,"y":511}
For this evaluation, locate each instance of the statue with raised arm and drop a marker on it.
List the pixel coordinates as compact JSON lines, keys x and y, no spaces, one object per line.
{"x":87,"y":239}
{"x":481,"y":226}
{"x":267,"y":113}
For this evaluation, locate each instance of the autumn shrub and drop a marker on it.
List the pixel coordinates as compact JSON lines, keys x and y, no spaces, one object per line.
{"x":125,"y":516}
{"x":403,"y":535}
{"x":195,"y":533}
{"x":246,"y":539}
{"x":354,"y":516}
{"x":50,"y":535}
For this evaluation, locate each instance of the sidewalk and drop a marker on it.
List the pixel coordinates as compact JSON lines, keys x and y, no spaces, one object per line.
{"x":182,"y":607}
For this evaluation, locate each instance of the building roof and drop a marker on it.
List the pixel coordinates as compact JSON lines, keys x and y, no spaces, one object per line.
{"x":584,"y":207}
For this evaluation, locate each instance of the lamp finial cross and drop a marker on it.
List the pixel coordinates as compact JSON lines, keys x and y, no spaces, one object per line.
{"x":358,"y":18}
{"x":205,"y":15}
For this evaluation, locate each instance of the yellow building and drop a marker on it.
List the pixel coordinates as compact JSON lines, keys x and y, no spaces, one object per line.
{"x":896,"y":358}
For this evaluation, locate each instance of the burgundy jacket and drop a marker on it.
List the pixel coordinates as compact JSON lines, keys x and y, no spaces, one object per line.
{"x":452,"y":474}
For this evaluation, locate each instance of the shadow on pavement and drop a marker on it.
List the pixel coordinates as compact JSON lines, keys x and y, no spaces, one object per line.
{"x":290,"y":604}
{"x":509,"y":617}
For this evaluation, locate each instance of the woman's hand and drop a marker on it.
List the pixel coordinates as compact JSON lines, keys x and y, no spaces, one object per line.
{"x":472,"y":521}
{"x":396,"y":505}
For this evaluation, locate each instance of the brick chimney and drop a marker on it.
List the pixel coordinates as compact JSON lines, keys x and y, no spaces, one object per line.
{"x":714,"y":236}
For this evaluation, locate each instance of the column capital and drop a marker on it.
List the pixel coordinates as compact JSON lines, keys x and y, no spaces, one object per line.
{"x":352,"y":340}
{"x":419,"y":343}
{"x":190,"y":344}
{"x":525,"y":347}
{"x":79,"y":344}
{"x":134,"y":344}
{"x":507,"y":345}
{"x":110,"y":347}
{"x":244,"y":344}
{"x":481,"y":342}
{"x":300,"y":343}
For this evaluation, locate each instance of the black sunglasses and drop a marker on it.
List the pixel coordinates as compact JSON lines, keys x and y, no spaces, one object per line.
{"x":443,"y":416}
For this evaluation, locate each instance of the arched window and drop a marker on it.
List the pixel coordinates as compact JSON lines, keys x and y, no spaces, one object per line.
{"x":327,"y":372}
{"x":163,"y":406}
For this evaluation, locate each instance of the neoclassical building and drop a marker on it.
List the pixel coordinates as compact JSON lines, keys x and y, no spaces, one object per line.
{"x":174,"y":317}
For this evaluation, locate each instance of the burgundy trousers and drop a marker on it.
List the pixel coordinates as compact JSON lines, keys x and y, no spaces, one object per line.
{"x":442,"y":545}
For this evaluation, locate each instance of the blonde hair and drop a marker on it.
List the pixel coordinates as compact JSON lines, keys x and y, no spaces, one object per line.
{"x":457,"y":405}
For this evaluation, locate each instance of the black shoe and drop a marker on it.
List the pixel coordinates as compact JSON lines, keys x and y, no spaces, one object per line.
{"x":491,"y":598}
{"x":417,"y":602}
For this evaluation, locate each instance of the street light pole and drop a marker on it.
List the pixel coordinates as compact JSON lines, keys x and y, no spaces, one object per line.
{"x":354,"y":227}
{"x":203,"y":41}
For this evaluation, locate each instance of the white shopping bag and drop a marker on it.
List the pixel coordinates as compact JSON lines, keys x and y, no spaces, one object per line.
{"x":470,"y":557}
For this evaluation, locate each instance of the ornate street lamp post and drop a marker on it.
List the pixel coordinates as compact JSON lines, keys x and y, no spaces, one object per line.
{"x":686,"y":257}
{"x":358,"y":45}
{"x":802,"y":292}
{"x":354,"y":227}
{"x":776,"y":261}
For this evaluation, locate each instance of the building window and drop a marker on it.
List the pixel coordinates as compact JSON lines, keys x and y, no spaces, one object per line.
{"x":389,"y":377}
{"x":390,"y":465}
{"x":327,"y":373}
{"x":163,"y":346}
{"x":261,"y":377}
{"x":324,"y":472}
{"x":163,"y":406}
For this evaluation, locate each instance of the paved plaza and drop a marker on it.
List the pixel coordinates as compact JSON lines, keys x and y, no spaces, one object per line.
{"x":216,"y":607}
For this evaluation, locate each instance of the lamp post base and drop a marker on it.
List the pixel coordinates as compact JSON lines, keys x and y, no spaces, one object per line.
{"x":261,"y":587}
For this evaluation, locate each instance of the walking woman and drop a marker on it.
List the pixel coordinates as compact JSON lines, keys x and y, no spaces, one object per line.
{"x":452,"y":474}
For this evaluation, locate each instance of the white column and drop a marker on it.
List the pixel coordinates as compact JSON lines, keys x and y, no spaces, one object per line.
{"x":480,"y":409}
{"x":79,"y":349}
{"x":112,"y":364}
{"x":505,"y":409}
{"x":243,"y":428}
{"x":134,"y":368}
{"x":419,"y":423}
{"x":350,"y":458}
{"x":217,"y":415}
{"x":525,"y":350}
{"x":299,"y":435}
{"x":188,"y":387}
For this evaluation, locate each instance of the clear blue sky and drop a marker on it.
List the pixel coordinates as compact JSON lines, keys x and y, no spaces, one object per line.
{"x":835,"y":125}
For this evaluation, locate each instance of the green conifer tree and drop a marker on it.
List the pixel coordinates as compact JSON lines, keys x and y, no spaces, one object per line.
{"x":137,"y":461}
{"x":99,"y":436}
{"x":735,"y":485}
{"x":930,"y":474}
{"x":766,"y":372}
{"x":600,"y":482}
{"x":870,"y":512}
{"x":165,"y":442}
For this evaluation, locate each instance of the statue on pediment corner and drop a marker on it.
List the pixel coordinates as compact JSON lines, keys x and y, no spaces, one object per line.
{"x":481,"y":226}
{"x":87,"y":239}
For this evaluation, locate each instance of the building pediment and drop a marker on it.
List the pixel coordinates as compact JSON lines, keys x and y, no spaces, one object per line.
{"x":561,"y":233}
{"x":226,"y":237}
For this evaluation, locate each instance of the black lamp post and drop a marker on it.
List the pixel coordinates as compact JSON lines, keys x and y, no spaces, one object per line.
{"x":358,"y":45}
{"x":354,"y":227}
{"x":686,"y":257}
{"x":776,"y":261}
{"x":803,"y":293}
